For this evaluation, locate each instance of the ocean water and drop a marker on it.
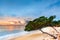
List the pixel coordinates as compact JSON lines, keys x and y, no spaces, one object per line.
{"x":5,"y":31}
{"x":12,"y":35}
{"x":8,"y":32}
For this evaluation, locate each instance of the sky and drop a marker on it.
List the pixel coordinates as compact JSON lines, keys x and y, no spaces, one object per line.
{"x":30,"y":8}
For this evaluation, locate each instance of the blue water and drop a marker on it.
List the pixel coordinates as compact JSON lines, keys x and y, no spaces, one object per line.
{"x":8,"y":32}
{"x":2,"y":33}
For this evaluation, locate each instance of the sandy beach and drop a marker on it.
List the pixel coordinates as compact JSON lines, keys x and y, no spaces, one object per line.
{"x":38,"y":35}
{"x":34,"y":36}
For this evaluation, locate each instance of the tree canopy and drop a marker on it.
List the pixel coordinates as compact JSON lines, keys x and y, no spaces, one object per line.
{"x":41,"y":22}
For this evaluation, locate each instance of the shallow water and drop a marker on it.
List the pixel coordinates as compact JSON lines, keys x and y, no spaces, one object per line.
{"x":5,"y":31}
{"x":13,"y":35}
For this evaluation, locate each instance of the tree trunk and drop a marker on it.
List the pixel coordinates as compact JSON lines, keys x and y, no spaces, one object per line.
{"x":55,"y":29}
{"x":48,"y":34}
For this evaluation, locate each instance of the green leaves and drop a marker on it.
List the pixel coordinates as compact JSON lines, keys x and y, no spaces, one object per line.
{"x":51,"y":18}
{"x":29,"y":26}
{"x":41,"y":22}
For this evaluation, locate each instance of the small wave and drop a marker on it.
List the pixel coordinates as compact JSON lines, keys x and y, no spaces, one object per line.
{"x":9,"y":36}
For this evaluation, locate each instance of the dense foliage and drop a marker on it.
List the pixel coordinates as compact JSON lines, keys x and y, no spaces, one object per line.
{"x":41,"y":22}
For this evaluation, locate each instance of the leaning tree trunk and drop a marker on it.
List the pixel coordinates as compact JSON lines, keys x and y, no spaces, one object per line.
{"x":55,"y":29}
{"x":48,"y":34}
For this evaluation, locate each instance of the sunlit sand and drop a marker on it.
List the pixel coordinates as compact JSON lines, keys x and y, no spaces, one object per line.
{"x":34,"y":36}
